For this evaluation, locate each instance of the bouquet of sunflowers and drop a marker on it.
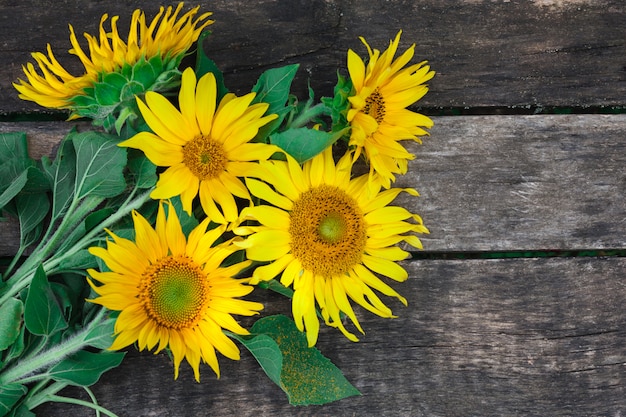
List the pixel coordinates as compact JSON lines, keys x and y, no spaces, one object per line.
{"x":153,"y":227}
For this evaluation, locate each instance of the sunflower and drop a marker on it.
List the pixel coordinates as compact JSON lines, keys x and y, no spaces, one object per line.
{"x":171,"y":290}
{"x":205,"y":149}
{"x":329,"y":237}
{"x":157,"y":48}
{"x":378,"y":112}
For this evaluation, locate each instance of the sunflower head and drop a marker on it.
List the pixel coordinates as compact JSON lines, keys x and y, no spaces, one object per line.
{"x":327,"y":236}
{"x":206,"y":146}
{"x":382,"y":90}
{"x":173,"y":291}
{"x":116,"y":69}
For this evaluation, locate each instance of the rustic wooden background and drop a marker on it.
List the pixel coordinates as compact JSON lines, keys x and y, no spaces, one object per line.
{"x":502,"y":171}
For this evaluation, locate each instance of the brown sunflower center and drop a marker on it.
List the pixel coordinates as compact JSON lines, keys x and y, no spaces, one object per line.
{"x":375,"y":106}
{"x":327,"y":231}
{"x":205,"y":157}
{"x":174,"y":292}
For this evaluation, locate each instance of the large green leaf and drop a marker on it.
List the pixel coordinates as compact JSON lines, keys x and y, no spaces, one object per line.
{"x":306,"y":376}
{"x":266,"y":351}
{"x":43,"y":315}
{"x":86,"y":163}
{"x":100,"y":165}
{"x":273,"y":87}
{"x":10,"y":394}
{"x":10,"y":322}
{"x":85,"y":368}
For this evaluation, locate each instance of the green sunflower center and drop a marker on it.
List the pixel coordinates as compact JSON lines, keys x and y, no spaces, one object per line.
{"x":375,"y":106}
{"x":328,"y":232}
{"x":174,"y":292}
{"x":205,"y":157}
{"x":332,"y":228}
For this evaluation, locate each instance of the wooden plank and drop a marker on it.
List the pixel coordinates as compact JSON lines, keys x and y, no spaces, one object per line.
{"x":520,"y":337}
{"x":521,"y":53}
{"x":495,"y":182}
{"x":521,"y":182}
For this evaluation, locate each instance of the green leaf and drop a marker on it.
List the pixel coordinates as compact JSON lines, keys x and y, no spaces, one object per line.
{"x":10,"y":394}
{"x":304,"y":143}
{"x":30,"y":180}
{"x":85,"y":368}
{"x":269,"y":128}
{"x":16,"y":349}
{"x":62,"y":175}
{"x":42,"y":313}
{"x":273,"y":87}
{"x":31,"y":210}
{"x":204,"y":65}
{"x":10,"y":322}
{"x":97,"y":217}
{"x":102,"y":336}
{"x":14,"y":157}
{"x":143,"y":171}
{"x":80,"y":261}
{"x":306,"y":376}
{"x":266,"y":351}
{"x":99,"y":165}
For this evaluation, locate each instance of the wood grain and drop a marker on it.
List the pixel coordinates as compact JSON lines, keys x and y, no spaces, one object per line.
{"x":521,"y":182}
{"x":504,"y":337}
{"x":519,"y":337}
{"x":486,"y":53}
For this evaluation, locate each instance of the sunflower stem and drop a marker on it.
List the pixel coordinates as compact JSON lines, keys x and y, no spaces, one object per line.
{"x":37,"y":396}
{"x":129,"y":205}
{"x":24,"y":371}
{"x":68,"y":400}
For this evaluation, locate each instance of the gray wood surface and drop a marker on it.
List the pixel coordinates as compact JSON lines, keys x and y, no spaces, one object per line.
{"x":487,"y":53}
{"x":502,"y":337}
{"x":518,"y":337}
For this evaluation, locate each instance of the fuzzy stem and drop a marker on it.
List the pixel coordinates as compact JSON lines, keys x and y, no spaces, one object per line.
{"x":19,"y":373}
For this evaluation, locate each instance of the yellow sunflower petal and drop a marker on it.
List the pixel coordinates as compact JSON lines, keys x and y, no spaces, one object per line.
{"x":263,"y":191}
{"x":158,"y":151}
{"x":303,"y":310}
{"x":206,"y":97}
{"x":385,"y":267}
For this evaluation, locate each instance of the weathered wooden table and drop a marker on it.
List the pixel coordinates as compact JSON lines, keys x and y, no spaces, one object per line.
{"x":517,"y":304}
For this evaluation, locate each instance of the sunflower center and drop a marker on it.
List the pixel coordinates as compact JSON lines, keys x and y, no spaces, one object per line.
{"x":174,"y":292}
{"x":375,"y":106}
{"x":327,"y":231}
{"x":332,"y":228}
{"x":205,"y":157}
